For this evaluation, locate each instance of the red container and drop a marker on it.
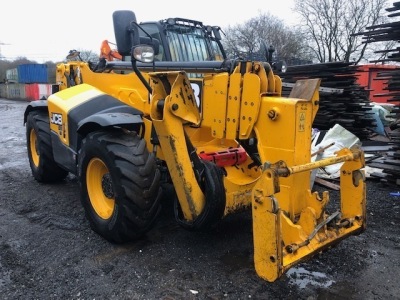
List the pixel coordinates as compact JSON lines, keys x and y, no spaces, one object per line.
{"x":37,"y":91}
{"x":373,"y":78}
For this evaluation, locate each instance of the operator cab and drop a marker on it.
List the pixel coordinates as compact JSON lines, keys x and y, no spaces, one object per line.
{"x":185,"y":40}
{"x":173,"y":39}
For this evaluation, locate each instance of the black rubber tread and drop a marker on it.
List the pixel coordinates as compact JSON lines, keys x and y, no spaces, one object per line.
{"x":213,"y":187}
{"x":48,"y":170}
{"x":136,"y":184}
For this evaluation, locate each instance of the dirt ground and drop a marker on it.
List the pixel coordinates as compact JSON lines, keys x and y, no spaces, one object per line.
{"x":48,"y":251}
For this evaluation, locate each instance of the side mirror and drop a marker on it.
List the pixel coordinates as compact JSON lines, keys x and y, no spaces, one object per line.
{"x":125,"y":30}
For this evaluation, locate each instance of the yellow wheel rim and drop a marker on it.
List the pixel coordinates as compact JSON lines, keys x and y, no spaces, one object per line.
{"x":33,"y":148}
{"x":100,"y":188}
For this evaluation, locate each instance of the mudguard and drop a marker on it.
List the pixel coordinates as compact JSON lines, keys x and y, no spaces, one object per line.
{"x":33,"y":105}
{"x":81,"y":109}
{"x":76,"y":111}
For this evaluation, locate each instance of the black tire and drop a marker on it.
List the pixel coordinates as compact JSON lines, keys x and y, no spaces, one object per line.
{"x":120,"y":185}
{"x":212,"y":185}
{"x":40,"y":150}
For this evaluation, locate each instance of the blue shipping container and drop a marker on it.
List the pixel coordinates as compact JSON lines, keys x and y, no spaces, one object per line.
{"x":32,"y":73}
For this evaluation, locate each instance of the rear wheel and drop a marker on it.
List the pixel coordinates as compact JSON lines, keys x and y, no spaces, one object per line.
{"x":120,"y":185}
{"x":40,"y":151}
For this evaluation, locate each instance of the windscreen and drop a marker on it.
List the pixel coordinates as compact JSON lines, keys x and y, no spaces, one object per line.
{"x":186,"y":41}
{"x":191,"y":44}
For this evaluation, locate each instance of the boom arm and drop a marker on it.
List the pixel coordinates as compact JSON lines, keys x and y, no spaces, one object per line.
{"x":173,"y":103}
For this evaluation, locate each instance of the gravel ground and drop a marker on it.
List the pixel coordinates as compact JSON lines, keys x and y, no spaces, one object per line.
{"x":48,"y":251}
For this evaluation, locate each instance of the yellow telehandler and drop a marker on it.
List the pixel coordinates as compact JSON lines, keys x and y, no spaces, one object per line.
{"x":175,"y":110}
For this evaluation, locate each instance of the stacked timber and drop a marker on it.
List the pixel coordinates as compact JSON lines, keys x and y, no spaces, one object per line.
{"x":389,"y":164}
{"x":342,"y":100}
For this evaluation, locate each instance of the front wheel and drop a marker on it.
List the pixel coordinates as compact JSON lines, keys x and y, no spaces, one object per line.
{"x":211,"y":183}
{"x":40,"y":150}
{"x":120,"y":185}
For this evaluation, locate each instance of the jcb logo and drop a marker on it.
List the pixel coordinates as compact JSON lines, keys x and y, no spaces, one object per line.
{"x":56,"y":119}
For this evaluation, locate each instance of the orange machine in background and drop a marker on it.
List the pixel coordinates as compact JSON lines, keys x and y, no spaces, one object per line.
{"x":108,"y":53}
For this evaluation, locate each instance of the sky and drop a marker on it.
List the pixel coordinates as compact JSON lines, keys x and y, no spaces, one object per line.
{"x":45,"y":30}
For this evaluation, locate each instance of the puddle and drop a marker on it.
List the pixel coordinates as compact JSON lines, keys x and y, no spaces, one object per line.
{"x":302,"y":277}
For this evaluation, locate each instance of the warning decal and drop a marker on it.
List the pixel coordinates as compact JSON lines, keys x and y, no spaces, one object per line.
{"x":302,"y":121}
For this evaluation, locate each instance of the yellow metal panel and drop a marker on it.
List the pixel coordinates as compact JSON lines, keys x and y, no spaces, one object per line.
{"x":69,"y":98}
{"x":278,"y":85}
{"x":284,"y":133}
{"x":125,"y":87}
{"x":276,"y":134}
{"x":287,"y":137}
{"x":266,"y":229}
{"x":238,"y":184}
{"x":250,"y":104}
{"x":61,"y":103}
{"x":353,"y":189}
{"x":182,"y":100}
{"x":266,"y":239}
{"x":215,"y":104}
{"x":234,"y":96}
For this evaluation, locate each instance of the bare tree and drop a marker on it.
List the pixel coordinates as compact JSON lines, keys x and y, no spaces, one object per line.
{"x":244,"y":39}
{"x":331,"y":26}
